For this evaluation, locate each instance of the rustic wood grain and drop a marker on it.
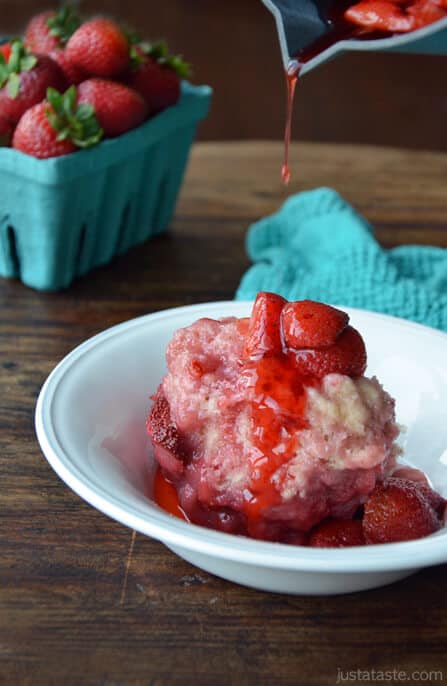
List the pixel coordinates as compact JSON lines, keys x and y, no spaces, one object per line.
{"x":84,"y":602}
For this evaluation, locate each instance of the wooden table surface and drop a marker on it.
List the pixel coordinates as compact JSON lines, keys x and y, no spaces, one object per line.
{"x":79,"y":604}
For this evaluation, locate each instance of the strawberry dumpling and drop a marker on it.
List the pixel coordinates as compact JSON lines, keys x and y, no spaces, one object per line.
{"x":267,"y":425}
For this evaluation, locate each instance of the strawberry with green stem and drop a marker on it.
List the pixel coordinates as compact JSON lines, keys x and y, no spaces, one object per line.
{"x":118,"y":107}
{"x":99,"y":48}
{"x":24,"y":80}
{"x":156,"y":74}
{"x":51,"y":30}
{"x":57,"y":126}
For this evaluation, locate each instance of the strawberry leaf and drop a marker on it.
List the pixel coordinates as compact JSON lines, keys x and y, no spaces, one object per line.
{"x":177,"y":64}
{"x":4,"y":73}
{"x":55,"y":99}
{"x":20,"y":60}
{"x":85,"y":111}
{"x":64,"y":23}
{"x":27,"y":62}
{"x":13,"y":85}
{"x":77,"y":123}
{"x":160,"y":53}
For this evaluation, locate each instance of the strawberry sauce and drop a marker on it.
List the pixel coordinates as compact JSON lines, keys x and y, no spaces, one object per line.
{"x":165,"y":495}
{"x":278,"y":413}
{"x":291,"y":80}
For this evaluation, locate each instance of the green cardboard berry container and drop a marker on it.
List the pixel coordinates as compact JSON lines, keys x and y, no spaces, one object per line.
{"x":61,"y":217}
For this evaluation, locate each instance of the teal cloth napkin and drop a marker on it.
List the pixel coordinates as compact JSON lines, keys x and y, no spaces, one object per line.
{"x":318,"y":247}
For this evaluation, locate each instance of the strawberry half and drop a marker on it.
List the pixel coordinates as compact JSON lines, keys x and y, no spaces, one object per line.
{"x":56,"y":126}
{"x":51,"y":30}
{"x":24,"y":80}
{"x":426,"y":12}
{"x":264,"y":332}
{"x":156,"y":75}
{"x":164,"y":435}
{"x":380,"y":15}
{"x":118,"y":108}
{"x":309,"y":324}
{"x":346,"y":356}
{"x":337,"y":533}
{"x":99,"y":48}
{"x":398,"y":511}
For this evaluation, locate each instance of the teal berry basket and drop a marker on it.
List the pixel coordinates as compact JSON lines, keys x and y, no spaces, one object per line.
{"x":61,"y":217}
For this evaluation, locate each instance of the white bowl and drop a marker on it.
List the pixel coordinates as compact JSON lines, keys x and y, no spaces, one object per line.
{"x":90,"y":422}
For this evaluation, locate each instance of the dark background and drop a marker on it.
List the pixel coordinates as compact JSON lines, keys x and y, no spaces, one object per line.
{"x":385,"y":99}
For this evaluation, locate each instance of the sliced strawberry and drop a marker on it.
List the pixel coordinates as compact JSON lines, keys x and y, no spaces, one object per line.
{"x":164,"y":436}
{"x":309,"y":324}
{"x":418,"y":478}
{"x":380,"y":15}
{"x":426,"y":12}
{"x":264,"y":331}
{"x":410,"y":474}
{"x":398,"y":511}
{"x":435,"y":499}
{"x":337,"y":533}
{"x":346,"y":356}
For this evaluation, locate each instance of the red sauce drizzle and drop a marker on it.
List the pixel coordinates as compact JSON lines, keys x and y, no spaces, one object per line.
{"x":340,"y":29}
{"x":291,"y":81}
{"x":278,"y":413}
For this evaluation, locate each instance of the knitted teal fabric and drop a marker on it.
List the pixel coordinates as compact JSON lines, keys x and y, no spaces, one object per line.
{"x":318,"y":247}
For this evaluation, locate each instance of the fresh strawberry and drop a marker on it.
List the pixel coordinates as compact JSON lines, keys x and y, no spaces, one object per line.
{"x":398,"y":511}
{"x":118,"y":108}
{"x":5,"y":50}
{"x":309,"y":324}
{"x":380,"y":15}
{"x":264,"y":332}
{"x":156,"y":75}
{"x":24,"y":80}
{"x":51,"y":30}
{"x":346,"y":356}
{"x":100,"y":48}
{"x":72,"y":73}
{"x":426,"y":12}
{"x":337,"y":533}
{"x":56,"y":126}
{"x":6,"y":129}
